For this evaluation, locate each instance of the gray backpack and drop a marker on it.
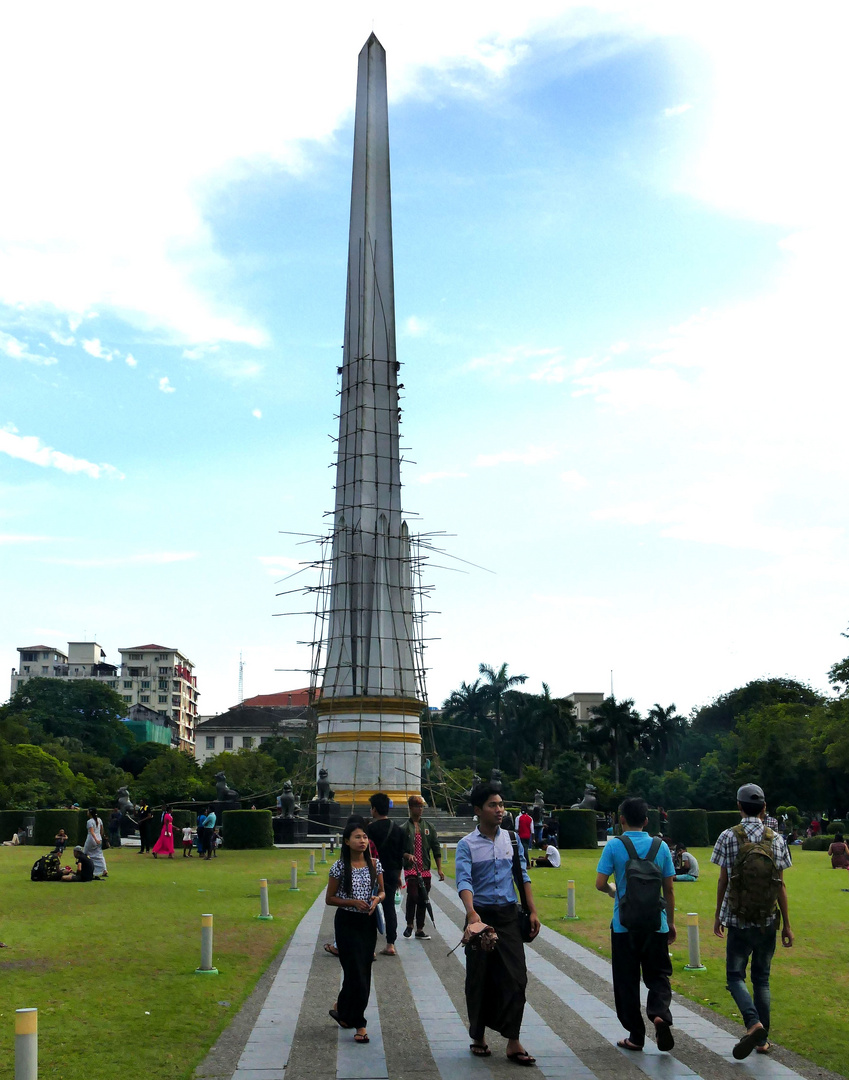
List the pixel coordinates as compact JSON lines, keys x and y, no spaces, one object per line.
{"x":642,"y":904}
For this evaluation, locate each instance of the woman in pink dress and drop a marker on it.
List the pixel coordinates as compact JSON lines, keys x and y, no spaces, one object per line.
{"x":165,"y":844}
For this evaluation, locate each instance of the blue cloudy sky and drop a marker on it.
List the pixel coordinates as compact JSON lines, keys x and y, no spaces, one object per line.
{"x":619,"y":254}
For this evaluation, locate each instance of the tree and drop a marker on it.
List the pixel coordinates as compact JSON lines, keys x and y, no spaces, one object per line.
{"x":171,"y":777}
{"x":662,"y":732}
{"x":722,"y":714}
{"x":468,"y":706}
{"x":31,"y":778}
{"x":498,"y":683}
{"x":141,"y":755}
{"x":614,"y":727}
{"x":250,"y":772}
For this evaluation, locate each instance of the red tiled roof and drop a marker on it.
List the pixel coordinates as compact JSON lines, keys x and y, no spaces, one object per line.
{"x":284,"y":698}
{"x":40,"y":648}
{"x":147,"y":648}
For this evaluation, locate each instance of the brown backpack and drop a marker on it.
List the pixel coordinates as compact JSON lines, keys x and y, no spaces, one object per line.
{"x":755,"y":879}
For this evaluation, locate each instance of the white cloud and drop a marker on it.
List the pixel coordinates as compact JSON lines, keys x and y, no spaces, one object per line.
{"x":257,"y":413}
{"x":534,"y":455}
{"x":130,"y":360}
{"x":277,"y":566}
{"x":17,"y":350}
{"x":429,"y":478}
{"x":574,"y":480}
{"x":14,"y":538}
{"x":30,"y":448}
{"x":677,"y":110}
{"x":63,"y":339}
{"x":148,"y":558}
{"x":165,"y":385}
{"x":94,"y":348}
{"x":415,"y":327}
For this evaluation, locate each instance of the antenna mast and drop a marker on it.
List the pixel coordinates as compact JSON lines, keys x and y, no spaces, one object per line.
{"x":241,"y":678}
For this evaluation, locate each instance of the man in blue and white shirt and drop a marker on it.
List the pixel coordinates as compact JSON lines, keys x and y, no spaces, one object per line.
{"x":496,"y":980}
{"x":744,"y":939}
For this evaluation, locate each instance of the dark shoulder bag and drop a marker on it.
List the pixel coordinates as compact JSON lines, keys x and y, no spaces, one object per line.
{"x":524,"y":913}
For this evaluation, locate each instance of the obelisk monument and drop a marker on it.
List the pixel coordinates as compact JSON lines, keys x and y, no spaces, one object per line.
{"x":368,"y":735}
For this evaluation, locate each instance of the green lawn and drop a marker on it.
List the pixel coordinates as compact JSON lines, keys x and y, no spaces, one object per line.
{"x":110,"y":965}
{"x":807,"y":1017}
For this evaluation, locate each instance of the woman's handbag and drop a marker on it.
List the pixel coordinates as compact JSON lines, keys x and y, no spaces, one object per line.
{"x":524,"y":914}
{"x":378,"y":912}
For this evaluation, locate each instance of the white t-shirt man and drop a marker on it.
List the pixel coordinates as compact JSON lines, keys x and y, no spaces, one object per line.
{"x":552,"y":855}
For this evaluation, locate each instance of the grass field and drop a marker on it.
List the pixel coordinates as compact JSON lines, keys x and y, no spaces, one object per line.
{"x":809,"y":983}
{"x":110,"y":965}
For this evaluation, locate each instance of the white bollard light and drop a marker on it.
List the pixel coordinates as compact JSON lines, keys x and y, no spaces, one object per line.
{"x":206,"y":967}
{"x":26,"y":1044}
{"x":570,"y":901}
{"x":695,"y":961}
{"x":312,"y":870}
{"x":294,"y":886}
{"x":323,"y":853}
{"x":264,"y":912}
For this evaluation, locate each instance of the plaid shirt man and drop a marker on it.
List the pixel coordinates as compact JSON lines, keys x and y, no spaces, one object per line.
{"x":725,"y":853}
{"x":771,"y":822}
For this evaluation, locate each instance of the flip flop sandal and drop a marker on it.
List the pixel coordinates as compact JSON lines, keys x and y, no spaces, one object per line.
{"x":626,"y":1044}
{"x":331,"y":949}
{"x":361,"y":1039}
{"x":663,"y":1034}
{"x":522,"y":1057}
{"x":480,"y":1050}
{"x":334,"y":1015}
{"x":764,"y":1048}
{"x":747,"y":1044}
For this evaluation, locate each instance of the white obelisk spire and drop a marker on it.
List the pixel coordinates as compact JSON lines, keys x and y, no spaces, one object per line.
{"x":368,"y":732}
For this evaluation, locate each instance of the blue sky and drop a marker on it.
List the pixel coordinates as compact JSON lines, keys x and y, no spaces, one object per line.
{"x":619,"y":291}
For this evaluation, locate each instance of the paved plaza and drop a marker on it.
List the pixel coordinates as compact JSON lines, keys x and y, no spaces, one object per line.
{"x":417,"y":1019}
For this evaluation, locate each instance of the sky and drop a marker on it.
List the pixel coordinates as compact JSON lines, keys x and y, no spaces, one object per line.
{"x":620,"y":273}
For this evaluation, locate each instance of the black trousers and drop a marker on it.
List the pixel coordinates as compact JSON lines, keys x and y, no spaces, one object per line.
{"x":356,"y":937}
{"x":633,"y":954}
{"x":417,"y":902}
{"x":144,"y":835}
{"x":390,"y":915}
{"x":496,"y":981}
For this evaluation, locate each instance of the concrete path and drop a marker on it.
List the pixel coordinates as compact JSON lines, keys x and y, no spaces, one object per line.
{"x":417,"y":1019}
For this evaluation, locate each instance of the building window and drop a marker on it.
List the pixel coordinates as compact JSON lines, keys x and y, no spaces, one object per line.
{"x":44,"y":670}
{"x":163,"y":671}
{"x":176,"y":684}
{"x":247,"y":742}
{"x":175,"y":701}
{"x":26,"y":669}
{"x":128,"y":697}
{"x":145,"y":684}
{"x":264,"y":738}
{"x":210,"y":742}
{"x":29,"y":656}
{"x":128,"y":684}
{"x":113,"y":684}
{"x":144,"y":699}
{"x":136,"y":656}
{"x":228,"y":742}
{"x":162,"y":699}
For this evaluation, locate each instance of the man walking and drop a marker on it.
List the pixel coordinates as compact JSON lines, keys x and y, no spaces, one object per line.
{"x":389,"y":841}
{"x":420,"y":842}
{"x":208,"y":830}
{"x":495,"y":980}
{"x":525,"y":830}
{"x":144,"y":822}
{"x":643,"y":926}
{"x":752,"y":859}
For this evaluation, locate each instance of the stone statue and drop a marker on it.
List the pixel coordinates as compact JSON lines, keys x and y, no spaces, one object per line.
{"x":539,"y":798}
{"x":467,"y":795}
{"x":286,"y":801}
{"x":222,"y":792}
{"x":589,"y":801}
{"x":323,"y":792}
{"x":495,"y":778}
{"x":125,"y":803}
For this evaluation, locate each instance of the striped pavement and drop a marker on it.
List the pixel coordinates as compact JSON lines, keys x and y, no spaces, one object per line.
{"x":417,"y":1019}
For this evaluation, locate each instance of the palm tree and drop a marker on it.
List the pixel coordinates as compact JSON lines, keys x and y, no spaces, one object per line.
{"x":468,"y":705}
{"x":498,"y":683}
{"x":614,"y":727}
{"x":662,"y":732}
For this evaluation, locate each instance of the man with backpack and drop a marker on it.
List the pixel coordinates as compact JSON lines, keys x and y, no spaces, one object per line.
{"x":389,"y":841}
{"x":752,"y":859}
{"x":643,"y":924}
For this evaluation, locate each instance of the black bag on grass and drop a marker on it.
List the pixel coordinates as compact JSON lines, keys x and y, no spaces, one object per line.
{"x":47,"y":868}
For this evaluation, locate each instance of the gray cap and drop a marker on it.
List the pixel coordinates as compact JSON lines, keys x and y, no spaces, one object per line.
{"x":751,"y":793}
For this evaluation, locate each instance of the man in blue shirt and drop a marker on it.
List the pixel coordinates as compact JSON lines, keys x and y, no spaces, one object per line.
{"x":636,"y":951}
{"x":496,"y":980}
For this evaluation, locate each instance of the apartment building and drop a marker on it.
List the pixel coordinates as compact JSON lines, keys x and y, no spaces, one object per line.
{"x":155,"y":676}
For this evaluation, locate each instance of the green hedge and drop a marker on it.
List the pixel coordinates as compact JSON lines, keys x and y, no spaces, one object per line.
{"x":49,"y":822}
{"x":837,"y":826}
{"x":688,"y":827}
{"x":720,"y":820}
{"x":816,"y":843}
{"x":182,"y":818}
{"x":576,"y":829}
{"x":653,"y":826}
{"x":247,"y":829}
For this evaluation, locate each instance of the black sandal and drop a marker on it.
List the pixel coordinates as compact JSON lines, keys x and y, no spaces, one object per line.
{"x":480,"y":1049}
{"x":522,"y":1057}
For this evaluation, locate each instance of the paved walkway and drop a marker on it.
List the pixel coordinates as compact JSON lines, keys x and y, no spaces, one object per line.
{"x":417,"y":1019}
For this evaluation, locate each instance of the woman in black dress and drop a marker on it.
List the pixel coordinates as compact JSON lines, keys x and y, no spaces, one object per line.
{"x":355,"y":889}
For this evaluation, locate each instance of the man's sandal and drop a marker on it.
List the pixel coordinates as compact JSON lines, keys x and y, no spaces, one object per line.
{"x":361,"y":1038}
{"x":480,"y":1049}
{"x":522,"y":1057}
{"x":626,"y":1044}
{"x":331,"y":949}
{"x":748,"y":1043}
{"x":764,"y":1048}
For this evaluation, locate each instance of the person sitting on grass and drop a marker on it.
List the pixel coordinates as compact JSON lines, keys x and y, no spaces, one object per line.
{"x":85,"y":867}
{"x":20,"y":837}
{"x":839,"y":852}
{"x":61,"y":841}
{"x":550,"y":858}
{"x":686,"y":865}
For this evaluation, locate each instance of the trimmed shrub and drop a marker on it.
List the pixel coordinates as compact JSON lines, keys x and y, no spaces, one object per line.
{"x":247,"y":829}
{"x":576,"y":829}
{"x":688,"y":827}
{"x":720,"y":820}
{"x":816,"y":843}
{"x":182,"y":818}
{"x":11,"y":821}
{"x":837,"y":826}
{"x":653,"y":826}
{"x":49,"y":822}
